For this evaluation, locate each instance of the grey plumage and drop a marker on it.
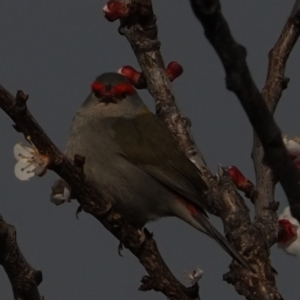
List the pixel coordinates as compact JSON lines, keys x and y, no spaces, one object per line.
{"x":132,"y":159}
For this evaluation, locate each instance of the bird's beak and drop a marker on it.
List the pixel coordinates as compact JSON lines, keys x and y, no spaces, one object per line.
{"x":108,"y":99}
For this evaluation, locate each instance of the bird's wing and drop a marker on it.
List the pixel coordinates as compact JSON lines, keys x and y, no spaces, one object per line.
{"x":147,"y":143}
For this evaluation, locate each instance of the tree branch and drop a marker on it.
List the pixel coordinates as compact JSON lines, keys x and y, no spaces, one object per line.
{"x":23,"y":278}
{"x":160,"y":277}
{"x":248,"y":240}
{"x":272,"y":91}
{"x":239,"y":80}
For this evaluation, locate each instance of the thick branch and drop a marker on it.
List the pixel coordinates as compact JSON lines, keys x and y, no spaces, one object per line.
{"x":161,"y":279}
{"x":272,"y":91}
{"x":239,"y":80}
{"x":23,"y":278}
{"x":248,"y":240}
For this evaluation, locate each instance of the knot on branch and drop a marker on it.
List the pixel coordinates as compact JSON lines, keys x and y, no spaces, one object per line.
{"x":21,"y":98}
{"x":27,"y":282}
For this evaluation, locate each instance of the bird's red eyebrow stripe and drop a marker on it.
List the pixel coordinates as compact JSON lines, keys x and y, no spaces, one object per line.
{"x":123,"y":88}
{"x":97,"y":87}
{"x":116,"y":90}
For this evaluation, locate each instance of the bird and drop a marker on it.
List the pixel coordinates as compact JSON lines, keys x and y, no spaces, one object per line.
{"x":134,"y":161}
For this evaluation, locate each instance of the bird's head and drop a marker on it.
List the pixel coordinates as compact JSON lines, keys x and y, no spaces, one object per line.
{"x":112,"y":88}
{"x":112,"y":94}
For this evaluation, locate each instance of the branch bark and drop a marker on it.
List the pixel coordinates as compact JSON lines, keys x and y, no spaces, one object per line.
{"x":23,"y":277}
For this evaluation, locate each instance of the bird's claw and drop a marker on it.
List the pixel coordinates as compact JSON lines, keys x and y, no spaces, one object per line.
{"x":144,"y":234}
{"x":106,"y":211}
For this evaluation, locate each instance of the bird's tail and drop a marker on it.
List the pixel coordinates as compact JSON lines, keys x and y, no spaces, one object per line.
{"x":207,"y":227}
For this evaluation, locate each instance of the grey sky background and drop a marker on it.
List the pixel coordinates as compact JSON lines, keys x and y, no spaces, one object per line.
{"x":53,"y":50}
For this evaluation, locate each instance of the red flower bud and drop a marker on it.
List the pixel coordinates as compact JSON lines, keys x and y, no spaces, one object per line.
{"x":174,"y":70}
{"x":289,"y":231}
{"x":241,"y":182}
{"x":132,"y":74}
{"x":115,"y":10}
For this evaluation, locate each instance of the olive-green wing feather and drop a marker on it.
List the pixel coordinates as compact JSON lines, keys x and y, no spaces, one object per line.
{"x":146,"y":142}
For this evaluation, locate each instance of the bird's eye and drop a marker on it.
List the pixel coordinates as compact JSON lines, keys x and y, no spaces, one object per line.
{"x":123,"y":89}
{"x":98,"y":88}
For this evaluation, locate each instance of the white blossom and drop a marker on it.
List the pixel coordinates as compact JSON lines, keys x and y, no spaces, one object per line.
{"x":29,"y":162}
{"x":60,"y":193}
{"x":292,"y":146}
{"x":195,"y":276}
{"x":292,"y":245}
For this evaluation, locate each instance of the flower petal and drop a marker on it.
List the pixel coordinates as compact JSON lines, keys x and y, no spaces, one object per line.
{"x":292,"y":147}
{"x":60,"y":192}
{"x":67,"y":194}
{"x":21,"y":151}
{"x":286,"y":214}
{"x":291,"y":247}
{"x":57,"y":199}
{"x":24,"y":170}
